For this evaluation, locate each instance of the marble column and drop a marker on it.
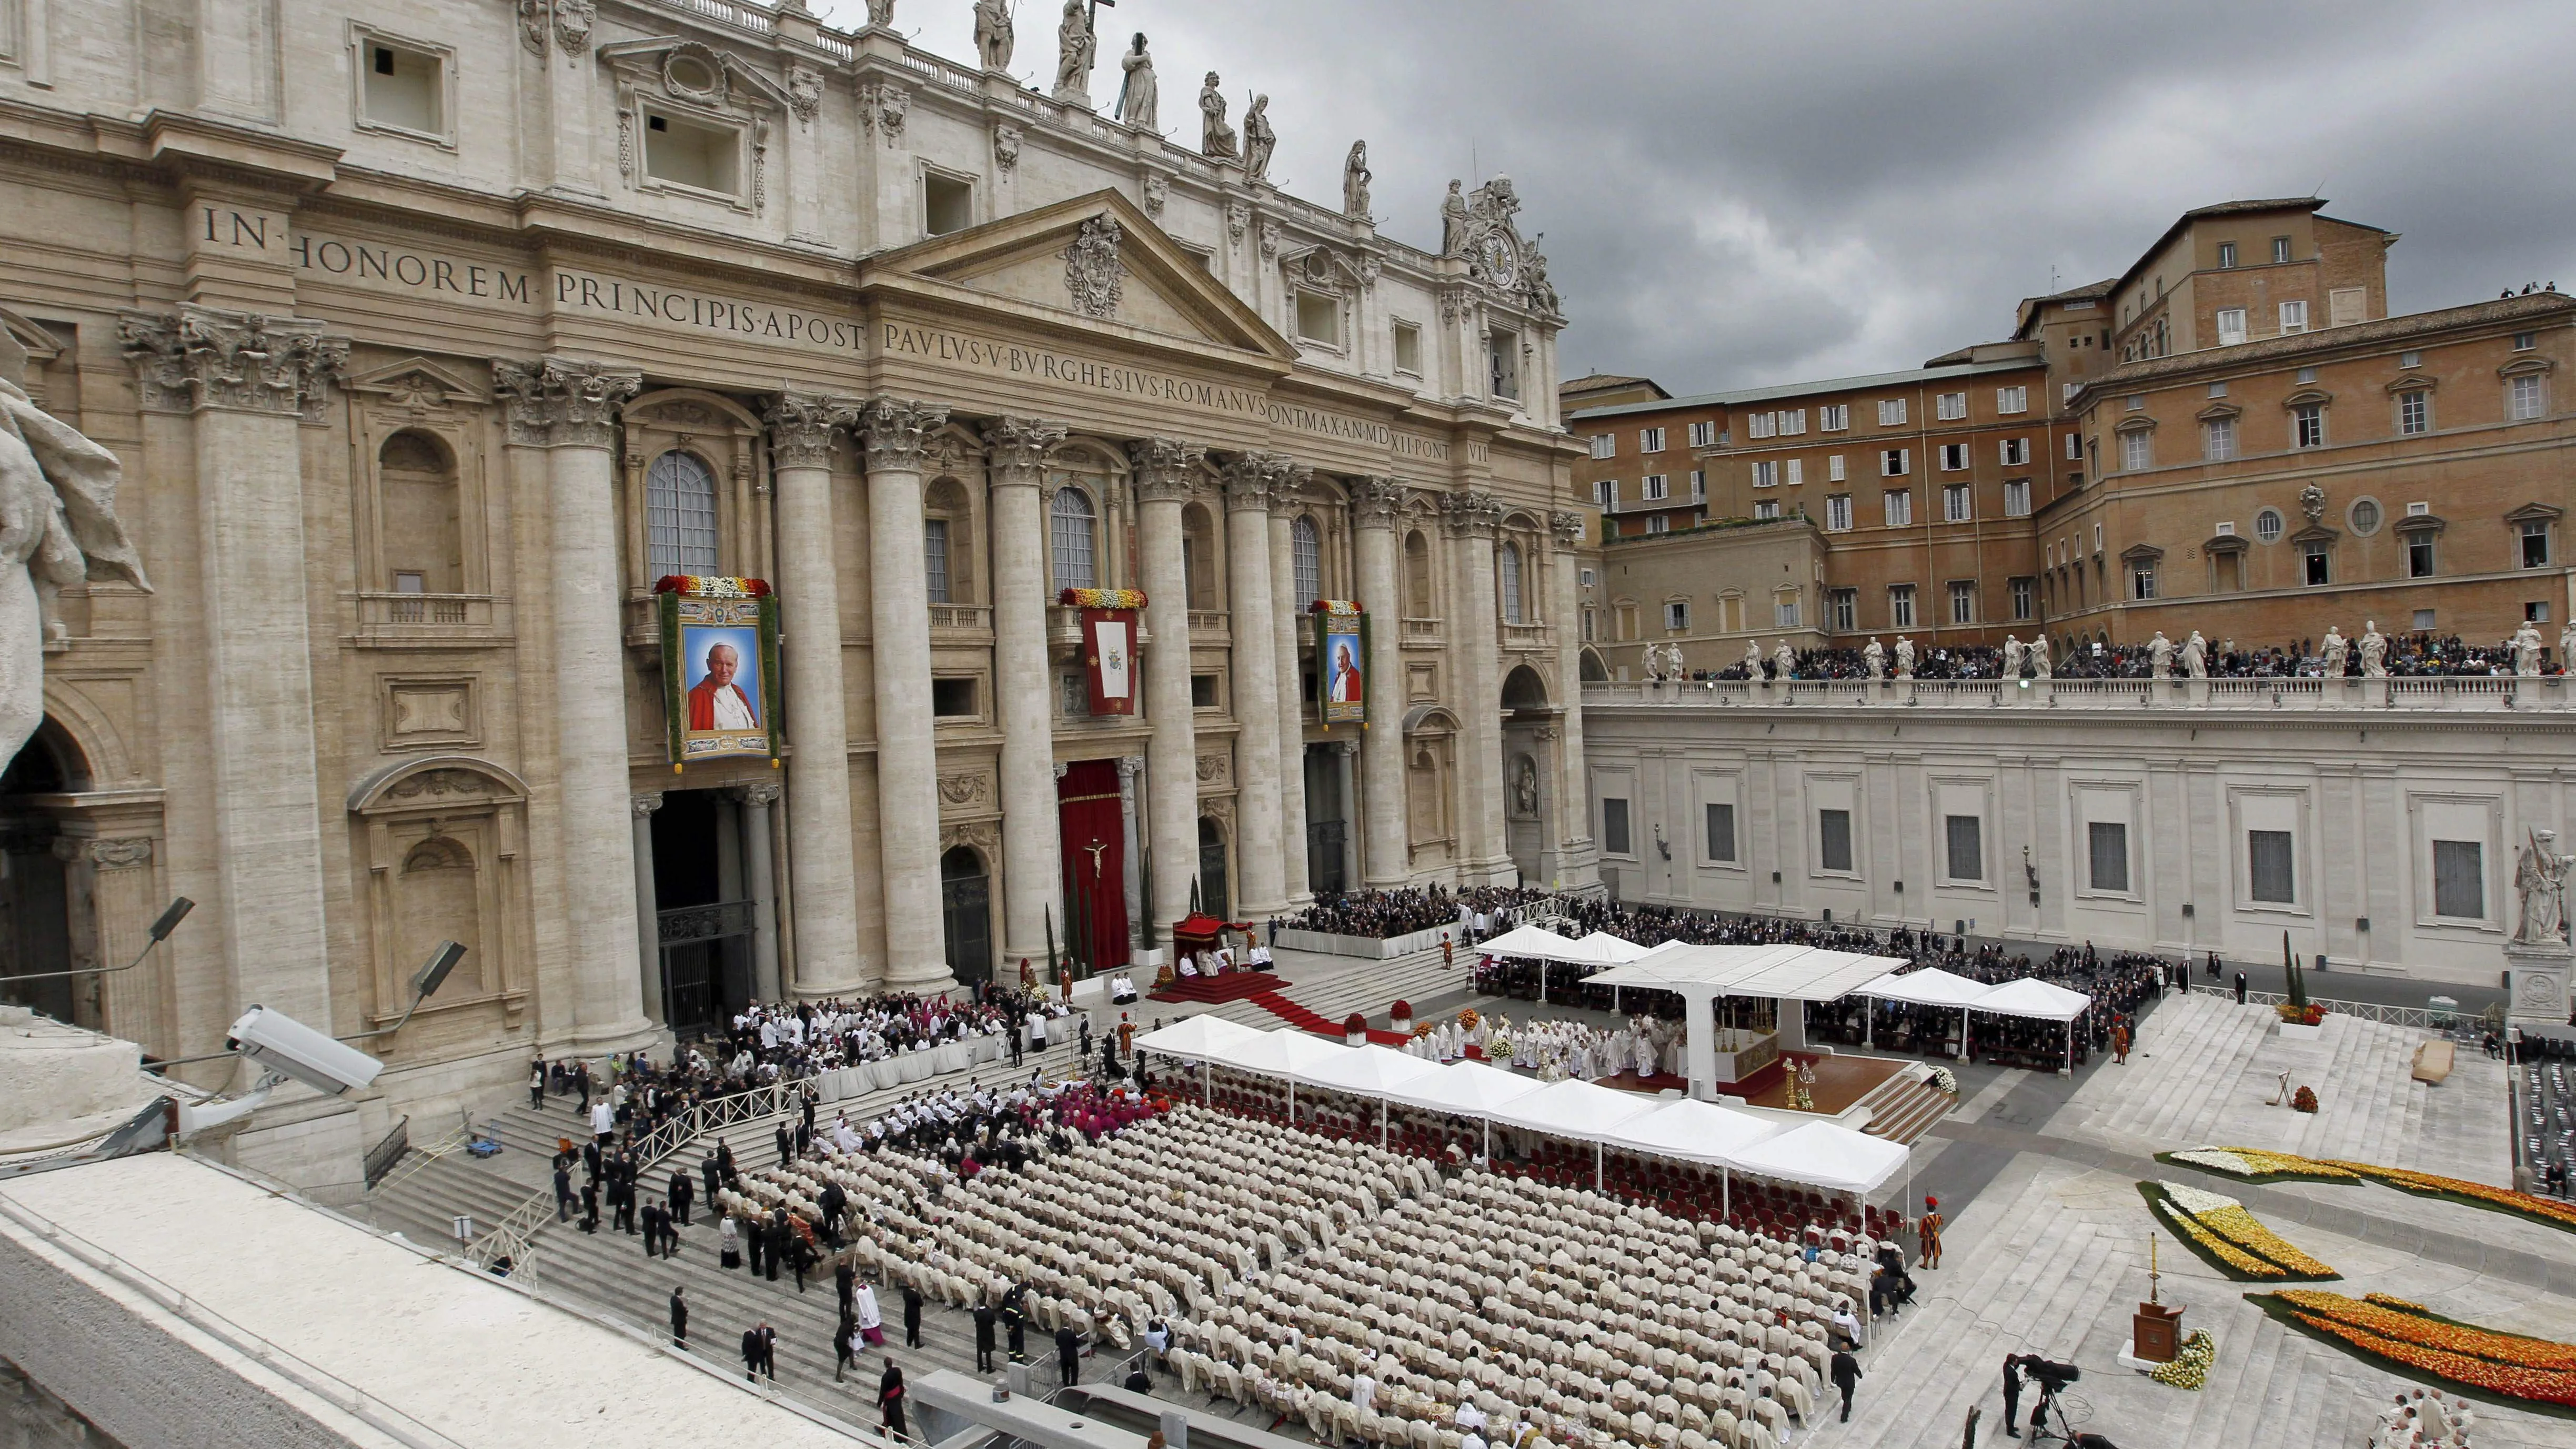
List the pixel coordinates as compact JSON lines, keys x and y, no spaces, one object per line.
{"x":648,"y":909}
{"x":1165,"y":473}
{"x":817,"y":720}
{"x":247,"y":383}
{"x":1469,"y":517}
{"x":1375,"y":503}
{"x":894,"y":431}
{"x":756,"y":800}
{"x":1578,"y":863}
{"x":1346,"y":755}
{"x":1250,"y":482}
{"x":1129,"y":767}
{"x":1032,"y":846}
{"x":1286,"y":609}
{"x":570,"y":409}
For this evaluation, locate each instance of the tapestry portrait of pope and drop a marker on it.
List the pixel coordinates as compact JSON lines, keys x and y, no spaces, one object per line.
{"x":724,"y":694}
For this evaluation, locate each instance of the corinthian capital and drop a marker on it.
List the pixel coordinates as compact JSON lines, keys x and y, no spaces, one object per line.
{"x":897,"y":431}
{"x":1015,"y":449}
{"x":1165,"y":468}
{"x":586,"y":396}
{"x":1568,"y":528}
{"x":204,"y":357}
{"x":800,"y":428}
{"x":1469,"y":512}
{"x":1252,"y":480}
{"x":1288,"y":490}
{"x":521,"y":387}
{"x":1375,"y":500}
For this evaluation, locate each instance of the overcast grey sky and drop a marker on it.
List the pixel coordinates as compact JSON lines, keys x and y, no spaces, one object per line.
{"x":1738,"y":194}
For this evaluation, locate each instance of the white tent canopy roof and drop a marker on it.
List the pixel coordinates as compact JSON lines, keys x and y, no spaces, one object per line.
{"x":1527,"y":941}
{"x":1575,"y":1108}
{"x":1694,"y":1131}
{"x":1200,"y":1038}
{"x":2031,"y":996}
{"x":1291,"y":1054}
{"x":1371,"y":1071}
{"x":1823,"y":1155}
{"x":1612,"y":950}
{"x":1930,"y":986}
{"x":1790,"y":972}
{"x":1470,"y":1088}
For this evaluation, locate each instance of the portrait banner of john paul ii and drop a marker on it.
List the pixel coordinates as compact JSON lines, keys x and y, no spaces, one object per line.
{"x":720,"y":668}
{"x":1341,"y":661}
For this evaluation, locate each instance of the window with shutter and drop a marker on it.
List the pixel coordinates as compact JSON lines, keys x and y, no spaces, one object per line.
{"x":2268,"y":870}
{"x":1967,"y":850}
{"x":2460,"y":879}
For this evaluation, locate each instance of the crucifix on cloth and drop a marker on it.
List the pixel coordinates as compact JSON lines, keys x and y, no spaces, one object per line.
{"x":1096,"y":847}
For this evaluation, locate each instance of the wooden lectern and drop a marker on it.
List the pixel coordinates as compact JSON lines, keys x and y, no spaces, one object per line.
{"x":2156,"y":1333}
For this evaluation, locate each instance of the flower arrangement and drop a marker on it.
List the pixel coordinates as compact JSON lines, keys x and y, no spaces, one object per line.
{"x":1401,"y":1018}
{"x":1102,"y":598}
{"x":1355,"y":1029}
{"x":1425,"y":1028}
{"x":2190,"y":1366}
{"x":2308,"y":1015}
{"x":1498,"y":1049}
{"x":2508,"y":1368}
{"x":711,"y":586}
{"x":2304,"y":1100}
{"x":1467,"y":1019}
{"x":1338,"y":607}
{"x":2258,"y":1166}
{"x":1945,"y":1080}
{"x":2229,"y":1238}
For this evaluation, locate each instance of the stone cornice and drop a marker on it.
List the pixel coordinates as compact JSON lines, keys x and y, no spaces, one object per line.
{"x":1166,"y":469}
{"x":896,"y":431}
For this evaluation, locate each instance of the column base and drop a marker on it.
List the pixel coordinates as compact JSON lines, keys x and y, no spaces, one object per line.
{"x":624,"y":1036}
{"x":929,"y":983}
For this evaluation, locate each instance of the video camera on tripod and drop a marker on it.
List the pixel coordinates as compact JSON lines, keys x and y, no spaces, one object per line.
{"x":2050,"y":1375}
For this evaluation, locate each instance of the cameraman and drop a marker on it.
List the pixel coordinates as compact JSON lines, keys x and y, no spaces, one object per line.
{"x":2012,"y":1392}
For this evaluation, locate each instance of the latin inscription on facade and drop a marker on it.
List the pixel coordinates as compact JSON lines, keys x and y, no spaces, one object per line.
{"x":1010,"y":359}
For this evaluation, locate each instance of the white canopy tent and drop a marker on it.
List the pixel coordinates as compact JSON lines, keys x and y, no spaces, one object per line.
{"x":1200,"y":1039}
{"x":1290,"y":1054}
{"x":1822,"y":1154}
{"x":1611,"y":950}
{"x":2031,"y":996}
{"x":1578,"y":1109}
{"x":1469,"y":1089}
{"x":1930,"y":986}
{"x":2028,"y":996}
{"x":1367,"y":1071}
{"x":1700,"y":974}
{"x":1534,"y":941}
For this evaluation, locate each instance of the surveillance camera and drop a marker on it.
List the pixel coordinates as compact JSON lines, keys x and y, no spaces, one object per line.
{"x":280,"y":1043}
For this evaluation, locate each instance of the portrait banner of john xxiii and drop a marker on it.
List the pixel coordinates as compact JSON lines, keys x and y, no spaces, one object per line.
{"x":719,"y":668}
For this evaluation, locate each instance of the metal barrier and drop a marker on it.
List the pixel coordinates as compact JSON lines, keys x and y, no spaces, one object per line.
{"x":2416,"y":1016}
{"x":388,"y":1151}
{"x":514,"y":1238}
{"x":407,"y":1165}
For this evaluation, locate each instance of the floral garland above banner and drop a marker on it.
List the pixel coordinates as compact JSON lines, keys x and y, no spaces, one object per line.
{"x":1341,"y":661}
{"x":2229,"y":1238}
{"x":719,"y":668}
{"x":1108,"y":646}
{"x":2414,"y":1341}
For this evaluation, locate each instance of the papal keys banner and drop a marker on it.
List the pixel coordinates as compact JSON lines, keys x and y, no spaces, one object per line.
{"x":1341,"y":660}
{"x":1108,"y":645}
{"x":719,"y":667}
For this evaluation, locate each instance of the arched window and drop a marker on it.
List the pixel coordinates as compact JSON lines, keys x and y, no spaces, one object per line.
{"x":1070,"y":531}
{"x":1306,"y":548}
{"x":680,"y":515}
{"x":1508,"y":570}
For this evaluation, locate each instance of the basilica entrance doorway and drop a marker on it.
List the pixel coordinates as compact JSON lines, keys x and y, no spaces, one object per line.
{"x":1328,"y":822}
{"x":966,"y":912}
{"x":1092,"y":924}
{"x":706,"y":919}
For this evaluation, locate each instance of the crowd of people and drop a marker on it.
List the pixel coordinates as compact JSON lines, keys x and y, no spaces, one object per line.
{"x":1379,"y":915}
{"x":2413,"y":655}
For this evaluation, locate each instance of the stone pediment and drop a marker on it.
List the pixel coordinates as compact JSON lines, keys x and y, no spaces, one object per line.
{"x":1097,"y":258}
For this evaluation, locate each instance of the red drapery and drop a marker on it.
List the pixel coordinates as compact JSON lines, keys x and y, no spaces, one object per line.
{"x":1095,"y":861}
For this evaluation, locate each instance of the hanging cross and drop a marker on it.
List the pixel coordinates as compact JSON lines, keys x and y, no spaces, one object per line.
{"x":1097,"y":847}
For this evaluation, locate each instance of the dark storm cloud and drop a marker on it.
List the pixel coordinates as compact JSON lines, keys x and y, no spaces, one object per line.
{"x":1737,"y":194}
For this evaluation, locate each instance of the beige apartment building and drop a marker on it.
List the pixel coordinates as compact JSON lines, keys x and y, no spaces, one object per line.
{"x":2231,"y":436}
{"x":432,"y":338}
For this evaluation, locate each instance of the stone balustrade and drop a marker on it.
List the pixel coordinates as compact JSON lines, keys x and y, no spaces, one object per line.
{"x":2408,"y":692}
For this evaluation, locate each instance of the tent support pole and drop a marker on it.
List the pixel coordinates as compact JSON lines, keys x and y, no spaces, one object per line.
{"x":1725,"y":1194}
{"x":1596,"y":1167}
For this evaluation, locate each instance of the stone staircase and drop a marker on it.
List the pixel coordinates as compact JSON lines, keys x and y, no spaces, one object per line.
{"x":1904,"y":1107}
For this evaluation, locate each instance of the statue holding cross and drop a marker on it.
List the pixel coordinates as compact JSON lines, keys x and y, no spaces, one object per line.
{"x":1077,"y":46}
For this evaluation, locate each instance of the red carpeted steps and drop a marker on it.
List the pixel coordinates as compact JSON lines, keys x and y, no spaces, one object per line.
{"x":1306,"y":1020}
{"x":1215,"y":990}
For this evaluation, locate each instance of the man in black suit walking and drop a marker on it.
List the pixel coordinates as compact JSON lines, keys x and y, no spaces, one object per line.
{"x":1068,"y":1354}
{"x":679,"y":1319}
{"x":911,"y":1316}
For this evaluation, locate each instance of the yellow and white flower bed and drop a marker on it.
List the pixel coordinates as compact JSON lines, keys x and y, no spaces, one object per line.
{"x":2229,"y":1238}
